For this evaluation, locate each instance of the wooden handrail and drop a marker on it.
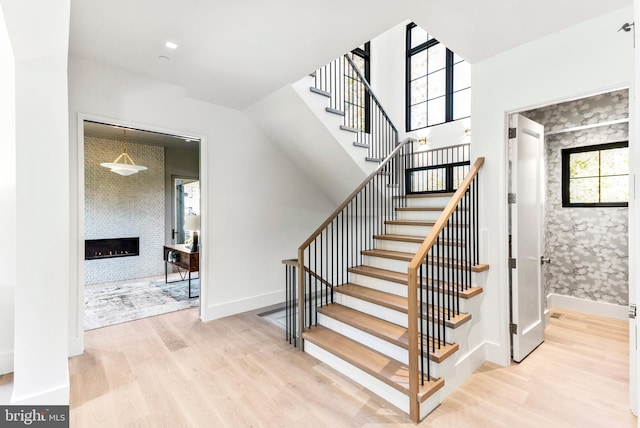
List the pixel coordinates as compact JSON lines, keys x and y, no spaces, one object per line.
{"x":353,"y":194}
{"x":412,"y":273}
{"x":291,"y":262}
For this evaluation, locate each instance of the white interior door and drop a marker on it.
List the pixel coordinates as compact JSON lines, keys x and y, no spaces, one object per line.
{"x":526,"y":236}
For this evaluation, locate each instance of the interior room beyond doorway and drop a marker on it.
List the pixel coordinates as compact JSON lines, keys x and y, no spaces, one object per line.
{"x":125,"y":284}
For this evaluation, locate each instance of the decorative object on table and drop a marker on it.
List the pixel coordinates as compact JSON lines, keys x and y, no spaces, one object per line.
{"x":127,"y":166}
{"x":192,"y":224}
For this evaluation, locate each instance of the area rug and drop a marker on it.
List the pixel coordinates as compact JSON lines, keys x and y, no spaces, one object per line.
{"x":114,"y":303}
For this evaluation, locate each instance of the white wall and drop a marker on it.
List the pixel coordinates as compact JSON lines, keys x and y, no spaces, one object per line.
{"x":39,"y":32}
{"x":583,"y":59}
{"x":8,"y":198}
{"x":257,"y":207}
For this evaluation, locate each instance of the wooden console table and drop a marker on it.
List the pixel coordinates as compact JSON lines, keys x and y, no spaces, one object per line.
{"x":189,"y":261}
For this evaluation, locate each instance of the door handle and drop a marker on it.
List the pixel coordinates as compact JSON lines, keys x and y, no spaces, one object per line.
{"x":544,"y":260}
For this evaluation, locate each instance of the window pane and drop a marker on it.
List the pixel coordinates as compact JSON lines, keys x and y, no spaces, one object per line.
{"x":419,"y":116}
{"x":614,"y":189}
{"x":614,"y":161}
{"x":457,"y":58}
{"x":359,"y":61}
{"x":419,"y":65}
{"x":436,"y":110}
{"x":462,"y":104}
{"x":437,"y":84}
{"x":461,"y":76}
{"x":419,"y":90}
{"x":437,"y":57}
{"x":584,"y":164}
{"x":418,"y":36}
{"x":583,"y":190}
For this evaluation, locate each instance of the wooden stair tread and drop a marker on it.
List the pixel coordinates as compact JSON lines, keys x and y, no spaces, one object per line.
{"x":387,"y":300}
{"x":407,"y":257}
{"x":402,"y":278}
{"x":410,"y":222}
{"x":388,"y":370}
{"x":401,"y":238}
{"x":420,"y":209}
{"x":414,"y":239}
{"x":386,"y":330}
{"x":387,"y":275}
{"x":425,"y":195}
{"x":398,"y":303}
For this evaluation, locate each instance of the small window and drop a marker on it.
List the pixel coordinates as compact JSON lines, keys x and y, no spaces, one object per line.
{"x":596,"y":176}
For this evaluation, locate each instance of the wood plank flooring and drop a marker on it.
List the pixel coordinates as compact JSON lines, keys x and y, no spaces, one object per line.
{"x":175,"y":371}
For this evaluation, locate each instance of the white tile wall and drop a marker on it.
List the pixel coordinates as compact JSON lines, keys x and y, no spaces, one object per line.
{"x":121,"y":207}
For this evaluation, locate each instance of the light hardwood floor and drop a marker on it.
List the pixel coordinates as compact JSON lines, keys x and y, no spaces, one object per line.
{"x":175,"y":371}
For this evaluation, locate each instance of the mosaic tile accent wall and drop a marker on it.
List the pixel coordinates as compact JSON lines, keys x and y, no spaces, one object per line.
{"x":588,"y":247}
{"x":122,"y":207}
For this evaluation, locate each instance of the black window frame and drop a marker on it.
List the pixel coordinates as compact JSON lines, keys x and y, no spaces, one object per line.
{"x":566,"y":154}
{"x":365,"y":54}
{"x":449,"y":80}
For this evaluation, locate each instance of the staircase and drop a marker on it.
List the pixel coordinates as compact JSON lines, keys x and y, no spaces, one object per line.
{"x":388,"y":289}
{"x":364,"y":334}
{"x":391,"y":286}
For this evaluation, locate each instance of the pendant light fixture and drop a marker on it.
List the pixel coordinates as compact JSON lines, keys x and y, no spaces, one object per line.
{"x":127,"y":166}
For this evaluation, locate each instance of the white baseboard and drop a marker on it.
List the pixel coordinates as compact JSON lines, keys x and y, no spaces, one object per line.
{"x":602,"y":309}
{"x":76,"y":345}
{"x":6,"y":362}
{"x":53,"y":397}
{"x":233,"y":307}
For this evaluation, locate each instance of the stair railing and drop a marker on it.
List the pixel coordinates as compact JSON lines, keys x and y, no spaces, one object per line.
{"x":437,"y":273}
{"x":352,"y":96}
{"x":325,"y":257}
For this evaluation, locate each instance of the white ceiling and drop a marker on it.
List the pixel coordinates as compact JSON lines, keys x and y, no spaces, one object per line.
{"x":236,"y":52}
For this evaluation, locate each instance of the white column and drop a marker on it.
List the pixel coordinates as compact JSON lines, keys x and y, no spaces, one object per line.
{"x":39,"y":34}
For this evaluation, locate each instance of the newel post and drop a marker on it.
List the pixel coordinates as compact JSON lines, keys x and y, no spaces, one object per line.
{"x":301,"y":298}
{"x":414,"y":385}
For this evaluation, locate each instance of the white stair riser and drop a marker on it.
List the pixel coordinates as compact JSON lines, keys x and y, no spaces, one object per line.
{"x":389,"y":349}
{"x":379,"y":284}
{"x":432,"y":202}
{"x":430,"y":404}
{"x":410,"y":247}
{"x":418,"y":215}
{"x":396,"y":352}
{"x":405,"y":247}
{"x":401,"y":266}
{"x":398,"y":229}
{"x":396,"y":317}
{"x":373,"y":384}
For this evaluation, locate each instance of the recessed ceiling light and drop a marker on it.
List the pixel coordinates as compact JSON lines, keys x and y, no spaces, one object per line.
{"x":171,"y":45}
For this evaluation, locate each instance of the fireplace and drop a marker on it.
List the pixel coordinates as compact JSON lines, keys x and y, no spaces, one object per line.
{"x":110,"y":248}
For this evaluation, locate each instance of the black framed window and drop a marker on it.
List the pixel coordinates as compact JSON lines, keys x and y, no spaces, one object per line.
{"x":357,"y":98}
{"x":438,"y":82}
{"x":596,"y":176}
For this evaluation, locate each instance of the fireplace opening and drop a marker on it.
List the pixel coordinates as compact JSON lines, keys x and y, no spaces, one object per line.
{"x":110,"y":248}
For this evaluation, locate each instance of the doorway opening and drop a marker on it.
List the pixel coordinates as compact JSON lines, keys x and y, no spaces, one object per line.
{"x":583,"y":258}
{"x":139,"y":207}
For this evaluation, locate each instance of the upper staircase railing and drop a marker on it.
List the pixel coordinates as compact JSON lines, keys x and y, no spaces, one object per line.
{"x":352,"y":96}
{"x":437,"y":274}
{"x":325,"y":257}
